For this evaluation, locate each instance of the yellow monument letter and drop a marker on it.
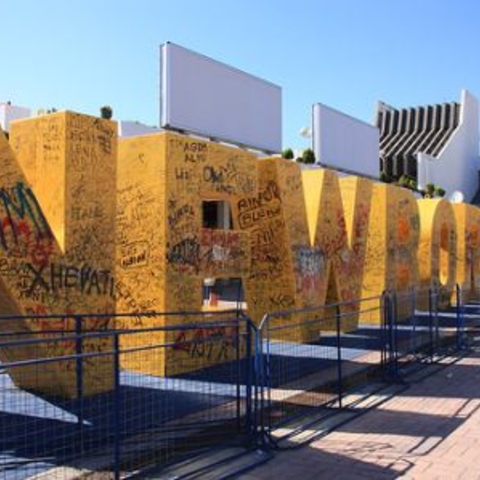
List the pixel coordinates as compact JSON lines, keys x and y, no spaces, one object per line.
{"x":166,"y":245}
{"x":57,"y":251}
{"x":304,"y":252}
{"x":393,"y":237}
{"x":438,"y":248}
{"x":468,"y":248}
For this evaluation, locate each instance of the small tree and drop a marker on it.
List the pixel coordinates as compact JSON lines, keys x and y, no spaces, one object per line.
{"x":106,"y":112}
{"x":308,"y":156}
{"x":288,"y":154}
{"x":385,"y":178}
{"x":412,"y":183}
{"x":430,"y":190}
{"x":404,"y":181}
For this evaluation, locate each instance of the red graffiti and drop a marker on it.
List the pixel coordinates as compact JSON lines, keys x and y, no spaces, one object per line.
{"x":216,"y":343}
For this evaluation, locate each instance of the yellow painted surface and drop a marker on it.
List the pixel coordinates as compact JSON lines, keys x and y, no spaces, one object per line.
{"x":407,"y":240}
{"x":303,"y":255}
{"x":164,"y":253}
{"x":300,"y":238}
{"x":393,"y":236}
{"x":467,"y":218}
{"x":468,"y":249}
{"x":438,"y":247}
{"x":307,"y":260}
{"x":58,"y":246}
{"x":270,"y":286}
{"x":338,"y":212}
{"x":380,"y":251}
{"x":356,"y":198}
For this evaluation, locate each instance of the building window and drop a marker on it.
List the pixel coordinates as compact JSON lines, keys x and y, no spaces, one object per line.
{"x":217,"y":214}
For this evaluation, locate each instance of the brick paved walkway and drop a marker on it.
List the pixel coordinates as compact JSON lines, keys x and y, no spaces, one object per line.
{"x":429,"y":431}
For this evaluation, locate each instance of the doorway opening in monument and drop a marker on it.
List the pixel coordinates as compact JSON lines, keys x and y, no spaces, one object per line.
{"x":217,"y":214}
{"x":220,"y":292}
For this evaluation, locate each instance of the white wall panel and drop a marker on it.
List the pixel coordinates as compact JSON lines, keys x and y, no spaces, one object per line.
{"x":344,"y":142}
{"x":204,"y":96}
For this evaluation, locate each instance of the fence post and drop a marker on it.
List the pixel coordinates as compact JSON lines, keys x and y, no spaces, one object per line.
{"x":389,"y":357}
{"x":117,"y":406}
{"x":258,"y":379}
{"x":338,"y":318}
{"x":383,"y":332}
{"x":435,"y":316}
{"x":249,"y":380}
{"x":393,"y":335}
{"x":237,"y":362}
{"x":432,"y":307}
{"x":79,"y":375}
{"x":413,"y":317}
{"x":262,"y":366}
{"x":460,"y":317}
{"x":430,"y":322}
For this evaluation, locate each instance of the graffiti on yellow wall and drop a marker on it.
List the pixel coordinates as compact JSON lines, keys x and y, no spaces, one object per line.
{"x":302,"y":237}
{"x":82,"y":232}
{"x":467,"y":219}
{"x":57,"y":245}
{"x":437,"y":251}
{"x":164,"y":251}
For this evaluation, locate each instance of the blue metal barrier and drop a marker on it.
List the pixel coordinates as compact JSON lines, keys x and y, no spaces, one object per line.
{"x":460,"y":312}
{"x":419,"y":331}
{"x":310,"y":357}
{"x":146,"y":418}
{"x":229,"y":382}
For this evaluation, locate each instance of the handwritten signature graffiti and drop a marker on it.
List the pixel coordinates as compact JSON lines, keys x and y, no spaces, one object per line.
{"x":219,"y":343}
{"x":86,"y":279}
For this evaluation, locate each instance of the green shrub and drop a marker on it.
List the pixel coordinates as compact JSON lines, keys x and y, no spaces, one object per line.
{"x":385,"y":178}
{"x":308,"y":156}
{"x":106,"y":112}
{"x":288,"y":154}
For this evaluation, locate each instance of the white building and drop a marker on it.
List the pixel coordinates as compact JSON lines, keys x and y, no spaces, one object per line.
{"x":436,"y":144}
{"x":9,"y":112}
{"x":128,"y":128}
{"x":344,"y":143}
{"x":456,"y":166}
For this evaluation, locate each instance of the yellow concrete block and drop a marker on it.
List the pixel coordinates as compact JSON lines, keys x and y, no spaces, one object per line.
{"x":467,"y":218}
{"x":356,"y":199}
{"x":311,"y":258}
{"x":438,"y":247}
{"x":270,"y":286}
{"x":338,"y":213}
{"x":163,"y":181}
{"x":393,"y":238}
{"x":62,"y":242}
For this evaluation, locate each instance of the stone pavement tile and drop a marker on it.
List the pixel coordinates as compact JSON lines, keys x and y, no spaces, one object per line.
{"x":429,"y":431}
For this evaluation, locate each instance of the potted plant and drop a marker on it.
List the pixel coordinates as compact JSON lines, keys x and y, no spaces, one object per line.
{"x":106,"y":112}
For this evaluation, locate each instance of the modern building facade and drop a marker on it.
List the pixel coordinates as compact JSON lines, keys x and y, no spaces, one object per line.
{"x":436,"y":144}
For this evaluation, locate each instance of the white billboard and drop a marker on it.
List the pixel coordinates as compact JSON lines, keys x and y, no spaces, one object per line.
{"x":345,"y":143}
{"x":203,"y":96}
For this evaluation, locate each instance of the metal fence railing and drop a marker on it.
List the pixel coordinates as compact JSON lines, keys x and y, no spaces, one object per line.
{"x":310,"y":359}
{"x":162,"y":392}
{"x":310,"y":356}
{"x":421,"y":329}
{"x":116,"y":396}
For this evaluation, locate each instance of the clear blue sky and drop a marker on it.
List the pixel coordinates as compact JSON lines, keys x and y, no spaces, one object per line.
{"x":347,"y":54}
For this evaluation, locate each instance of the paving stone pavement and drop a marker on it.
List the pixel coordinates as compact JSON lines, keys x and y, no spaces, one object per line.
{"x":429,"y":431}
